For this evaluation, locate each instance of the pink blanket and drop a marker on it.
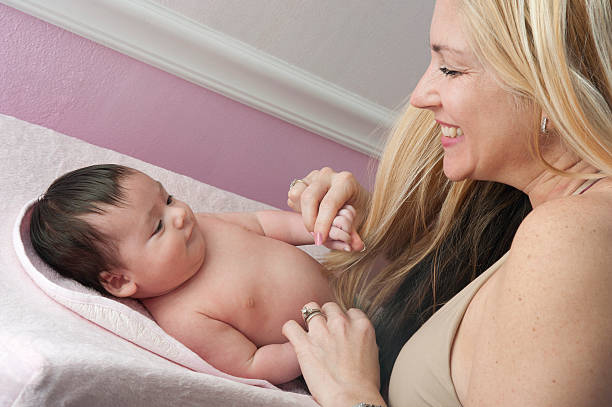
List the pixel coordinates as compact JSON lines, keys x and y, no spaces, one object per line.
{"x":126,"y":318}
{"x":64,"y":344}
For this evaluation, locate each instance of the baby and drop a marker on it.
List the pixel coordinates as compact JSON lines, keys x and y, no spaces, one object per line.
{"x":223,"y":284}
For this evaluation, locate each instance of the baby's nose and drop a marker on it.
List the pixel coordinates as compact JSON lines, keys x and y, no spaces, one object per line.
{"x":179,"y":218}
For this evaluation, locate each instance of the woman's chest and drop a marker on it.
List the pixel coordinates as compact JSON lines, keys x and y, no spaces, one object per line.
{"x":477,"y":320}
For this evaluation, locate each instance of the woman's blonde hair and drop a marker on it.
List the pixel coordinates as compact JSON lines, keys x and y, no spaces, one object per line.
{"x":557,"y":55}
{"x":435,"y":235}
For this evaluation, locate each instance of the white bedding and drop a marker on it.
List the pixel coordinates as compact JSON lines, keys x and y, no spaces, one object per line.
{"x":51,"y":354}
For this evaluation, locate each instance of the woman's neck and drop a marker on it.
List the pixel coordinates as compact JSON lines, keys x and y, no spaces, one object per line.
{"x":546,"y":185}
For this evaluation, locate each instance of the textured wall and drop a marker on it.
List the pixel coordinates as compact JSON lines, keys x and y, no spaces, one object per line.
{"x":54,"y":78}
{"x":376,"y":49}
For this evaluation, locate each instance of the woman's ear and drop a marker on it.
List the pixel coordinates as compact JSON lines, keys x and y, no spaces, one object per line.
{"x":118,"y":283}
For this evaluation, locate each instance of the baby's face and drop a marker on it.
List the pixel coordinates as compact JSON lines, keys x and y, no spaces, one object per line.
{"x":157,"y":236}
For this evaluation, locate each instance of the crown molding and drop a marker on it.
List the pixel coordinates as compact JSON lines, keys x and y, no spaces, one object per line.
{"x":178,"y":45}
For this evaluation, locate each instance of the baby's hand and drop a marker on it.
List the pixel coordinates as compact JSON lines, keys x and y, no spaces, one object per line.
{"x":342,"y":235}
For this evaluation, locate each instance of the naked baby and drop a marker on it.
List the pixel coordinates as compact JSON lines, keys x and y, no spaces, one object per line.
{"x":221,"y":283}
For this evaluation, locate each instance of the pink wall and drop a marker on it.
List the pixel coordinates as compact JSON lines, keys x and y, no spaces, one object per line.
{"x":57,"y":79}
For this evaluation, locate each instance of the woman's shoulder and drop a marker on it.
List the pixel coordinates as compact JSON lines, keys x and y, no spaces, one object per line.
{"x":568,"y":226}
{"x":566,"y":235}
{"x":549,"y":314}
{"x":560,"y":259}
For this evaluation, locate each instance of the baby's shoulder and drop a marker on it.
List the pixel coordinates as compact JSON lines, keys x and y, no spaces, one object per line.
{"x":228,"y":221}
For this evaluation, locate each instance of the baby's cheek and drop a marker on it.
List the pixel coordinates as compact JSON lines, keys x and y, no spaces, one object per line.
{"x":170,"y":255}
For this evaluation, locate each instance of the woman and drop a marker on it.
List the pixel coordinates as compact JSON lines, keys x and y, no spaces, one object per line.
{"x":518,"y":97}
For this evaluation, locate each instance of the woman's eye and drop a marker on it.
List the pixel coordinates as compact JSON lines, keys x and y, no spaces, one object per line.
{"x":449,"y":72}
{"x":169,"y":200}
{"x":158,"y":228}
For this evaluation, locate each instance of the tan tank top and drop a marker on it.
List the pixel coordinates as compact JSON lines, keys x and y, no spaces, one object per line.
{"x":421,"y":374}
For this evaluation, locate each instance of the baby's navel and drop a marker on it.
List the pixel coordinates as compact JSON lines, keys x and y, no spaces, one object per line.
{"x":250,"y":302}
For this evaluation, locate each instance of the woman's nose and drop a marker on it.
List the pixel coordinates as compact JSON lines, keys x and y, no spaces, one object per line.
{"x":425,"y":95}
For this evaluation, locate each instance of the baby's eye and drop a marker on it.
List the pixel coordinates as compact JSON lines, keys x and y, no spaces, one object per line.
{"x":158,"y":228}
{"x":449,"y":72}
{"x":169,"y":200}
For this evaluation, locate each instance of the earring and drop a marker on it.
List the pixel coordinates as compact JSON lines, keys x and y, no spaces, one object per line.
{"x":543,"y":125}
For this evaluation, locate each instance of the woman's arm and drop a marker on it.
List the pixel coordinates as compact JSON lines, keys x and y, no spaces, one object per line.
{"x":548,"y":333}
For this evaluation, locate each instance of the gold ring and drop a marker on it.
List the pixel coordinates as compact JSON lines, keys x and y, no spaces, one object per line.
{"x":295,"y":181}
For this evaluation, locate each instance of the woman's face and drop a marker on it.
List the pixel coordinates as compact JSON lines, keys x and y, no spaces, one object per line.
{"x":485,"y":131}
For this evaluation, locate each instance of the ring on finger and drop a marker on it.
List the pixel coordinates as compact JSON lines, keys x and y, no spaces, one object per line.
{"x":295,"y":181}
{"x":308,"y":313}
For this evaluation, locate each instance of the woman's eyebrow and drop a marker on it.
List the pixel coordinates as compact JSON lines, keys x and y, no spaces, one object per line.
{"x":441,"y":48}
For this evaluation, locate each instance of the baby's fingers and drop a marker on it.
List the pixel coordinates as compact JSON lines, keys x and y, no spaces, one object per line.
{"x":343,"y":223}
{"x":356,"y":243}
{"x":337,"y":245}
{"x":348,"y":211}
{"x":338,"y":239}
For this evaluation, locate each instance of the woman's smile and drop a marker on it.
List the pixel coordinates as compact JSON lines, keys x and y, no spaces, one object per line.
{"x":451,"y":135}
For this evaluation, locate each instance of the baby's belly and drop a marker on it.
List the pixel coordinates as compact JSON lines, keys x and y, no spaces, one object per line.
{"x":273,"y":292}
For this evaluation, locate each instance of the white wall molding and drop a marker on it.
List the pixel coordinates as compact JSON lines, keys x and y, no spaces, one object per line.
{"x":169,"y":41}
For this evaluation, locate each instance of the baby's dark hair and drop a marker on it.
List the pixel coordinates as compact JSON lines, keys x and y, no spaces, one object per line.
{"x":61,"y":236}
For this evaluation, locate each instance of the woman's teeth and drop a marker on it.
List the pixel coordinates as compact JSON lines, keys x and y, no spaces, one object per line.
{"x":451,"y":132}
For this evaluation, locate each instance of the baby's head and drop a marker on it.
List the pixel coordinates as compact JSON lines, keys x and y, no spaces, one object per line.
{"x":59,"y":232}
{"x":114,"y":229}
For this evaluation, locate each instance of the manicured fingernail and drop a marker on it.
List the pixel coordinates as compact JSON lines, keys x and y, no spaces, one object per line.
{"x":318,"y":239}
{"x":347,"y":248}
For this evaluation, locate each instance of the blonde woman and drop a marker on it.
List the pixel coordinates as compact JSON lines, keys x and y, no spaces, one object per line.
{"x":507,"y":147}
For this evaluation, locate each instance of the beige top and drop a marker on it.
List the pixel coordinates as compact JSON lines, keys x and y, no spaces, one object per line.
{"x":421,"y":374}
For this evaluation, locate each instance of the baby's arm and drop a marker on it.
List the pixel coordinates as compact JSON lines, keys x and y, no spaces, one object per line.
{"x":228,"y":350}
{"x":289,"y":227}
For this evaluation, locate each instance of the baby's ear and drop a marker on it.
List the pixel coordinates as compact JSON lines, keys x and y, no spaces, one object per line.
{"x":118,"y":283}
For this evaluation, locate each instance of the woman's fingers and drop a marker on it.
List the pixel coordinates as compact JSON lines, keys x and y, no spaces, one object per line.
{"x":343,"y":188}
{"x":332,"y":310}
{"x":310,"y":203}
{"x":294,"y":194}
{"x":338,"y":355}
{"x":320,"y":197}
{"x":294,"y":333}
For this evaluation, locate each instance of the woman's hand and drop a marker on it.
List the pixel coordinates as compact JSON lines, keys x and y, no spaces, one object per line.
{"x":320,"y":198}
{"x":338,"y":356}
